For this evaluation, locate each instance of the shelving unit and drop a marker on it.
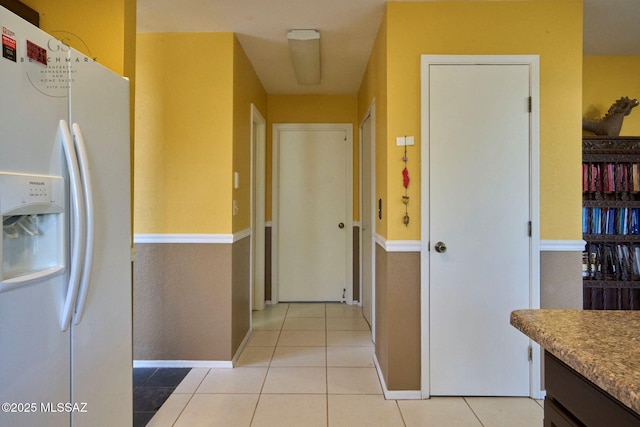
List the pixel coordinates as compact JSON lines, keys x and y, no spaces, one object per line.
{"x":611,"y":222}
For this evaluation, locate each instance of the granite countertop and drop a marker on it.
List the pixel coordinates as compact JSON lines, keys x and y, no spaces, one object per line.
{"x":603,"y":346}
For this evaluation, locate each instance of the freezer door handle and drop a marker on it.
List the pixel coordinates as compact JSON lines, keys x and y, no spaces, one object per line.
{"x":77,"y":221}
{"x":83,"y":163}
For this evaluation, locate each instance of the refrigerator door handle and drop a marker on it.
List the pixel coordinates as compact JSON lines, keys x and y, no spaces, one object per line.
{"x":83,"y":163}
{"x":77,"y":220}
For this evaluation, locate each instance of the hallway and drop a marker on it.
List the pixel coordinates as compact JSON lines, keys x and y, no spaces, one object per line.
{"x":312,"y":365}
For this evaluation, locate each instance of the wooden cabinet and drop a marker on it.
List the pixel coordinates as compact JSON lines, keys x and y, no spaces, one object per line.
{"x":611,"y":222}
{"x":573,"y":401}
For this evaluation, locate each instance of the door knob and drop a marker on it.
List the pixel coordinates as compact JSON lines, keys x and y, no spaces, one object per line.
{"x":441,"y":247}
{"x":341,"y":225}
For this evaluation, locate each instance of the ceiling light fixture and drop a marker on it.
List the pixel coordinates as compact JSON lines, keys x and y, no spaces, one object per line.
{"x":304,"y":46}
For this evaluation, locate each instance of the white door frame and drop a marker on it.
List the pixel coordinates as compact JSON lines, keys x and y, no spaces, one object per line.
{"x":348,"y":152}
{"x":258,"y":198}
{"x":371,"y":114}
{"x":533,"y":61}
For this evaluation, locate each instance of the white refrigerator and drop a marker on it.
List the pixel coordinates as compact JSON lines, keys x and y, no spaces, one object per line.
{"x":65,"y":272}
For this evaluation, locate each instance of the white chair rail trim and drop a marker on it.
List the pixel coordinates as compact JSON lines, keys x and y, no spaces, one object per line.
{"x":192,"y":238}
{"x":562,"y":245}
{"x":416,"y":245}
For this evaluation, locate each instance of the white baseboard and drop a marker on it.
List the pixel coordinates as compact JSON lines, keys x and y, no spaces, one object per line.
{"x":395,"y":394}
{"x":183,"y":364}
{"x":194,"y":363}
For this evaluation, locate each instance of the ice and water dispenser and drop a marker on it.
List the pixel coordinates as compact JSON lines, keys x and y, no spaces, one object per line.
{"x":32,"y":211}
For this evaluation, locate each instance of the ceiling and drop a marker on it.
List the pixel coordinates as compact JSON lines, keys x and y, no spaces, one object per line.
{"x":348,"y":29}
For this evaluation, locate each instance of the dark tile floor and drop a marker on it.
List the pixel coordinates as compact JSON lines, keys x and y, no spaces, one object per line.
{"x":151,"y":388}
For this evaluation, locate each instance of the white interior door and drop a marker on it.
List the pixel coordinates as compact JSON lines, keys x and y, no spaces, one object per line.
{"x":366,"y":215}
{"x":258,"y":159}
{"x":479,"y":207}
{"x":313,"y":219}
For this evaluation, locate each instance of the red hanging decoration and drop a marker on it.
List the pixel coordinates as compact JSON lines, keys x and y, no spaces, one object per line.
{"x":405,"y":177}
{"x":405,"y":183}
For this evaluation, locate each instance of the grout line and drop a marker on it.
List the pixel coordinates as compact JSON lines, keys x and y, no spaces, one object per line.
{"x":195,"y":390}
{"x":185,"y":407}
{"x":474,"y":412}
{"x":326,"y":361}
{"x":264,"y":381}
{"x":255,"y":410}
{"x":190,"y":398}
{"x":404,"y":423}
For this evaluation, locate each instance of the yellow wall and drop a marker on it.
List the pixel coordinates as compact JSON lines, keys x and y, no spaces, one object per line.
{"x":550,"y":28}
{"x":247,"y":90}
{"x":111,"y":38}
{"x":101,"y":29}
{"x":313,"y":109}
{"x":606,"y":79}
{"x":184,"y":133}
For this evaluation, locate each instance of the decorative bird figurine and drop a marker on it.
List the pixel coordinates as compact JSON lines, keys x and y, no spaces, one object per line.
{"x":611,"y":123}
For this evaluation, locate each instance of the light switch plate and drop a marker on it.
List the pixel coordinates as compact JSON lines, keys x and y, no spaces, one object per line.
{"x":400,"y":140}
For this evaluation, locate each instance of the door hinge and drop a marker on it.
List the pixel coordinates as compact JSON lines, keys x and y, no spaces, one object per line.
{"x":530,"y":102}
{"x":529,"y":228}
{"x":530,"y":352}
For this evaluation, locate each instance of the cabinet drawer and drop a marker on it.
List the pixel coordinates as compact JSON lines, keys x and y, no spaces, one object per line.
{"x":556,"y":416}
{"x":582,"y":399}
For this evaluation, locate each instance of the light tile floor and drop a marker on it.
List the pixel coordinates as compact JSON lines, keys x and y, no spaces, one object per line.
{"x":312,"y":365}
